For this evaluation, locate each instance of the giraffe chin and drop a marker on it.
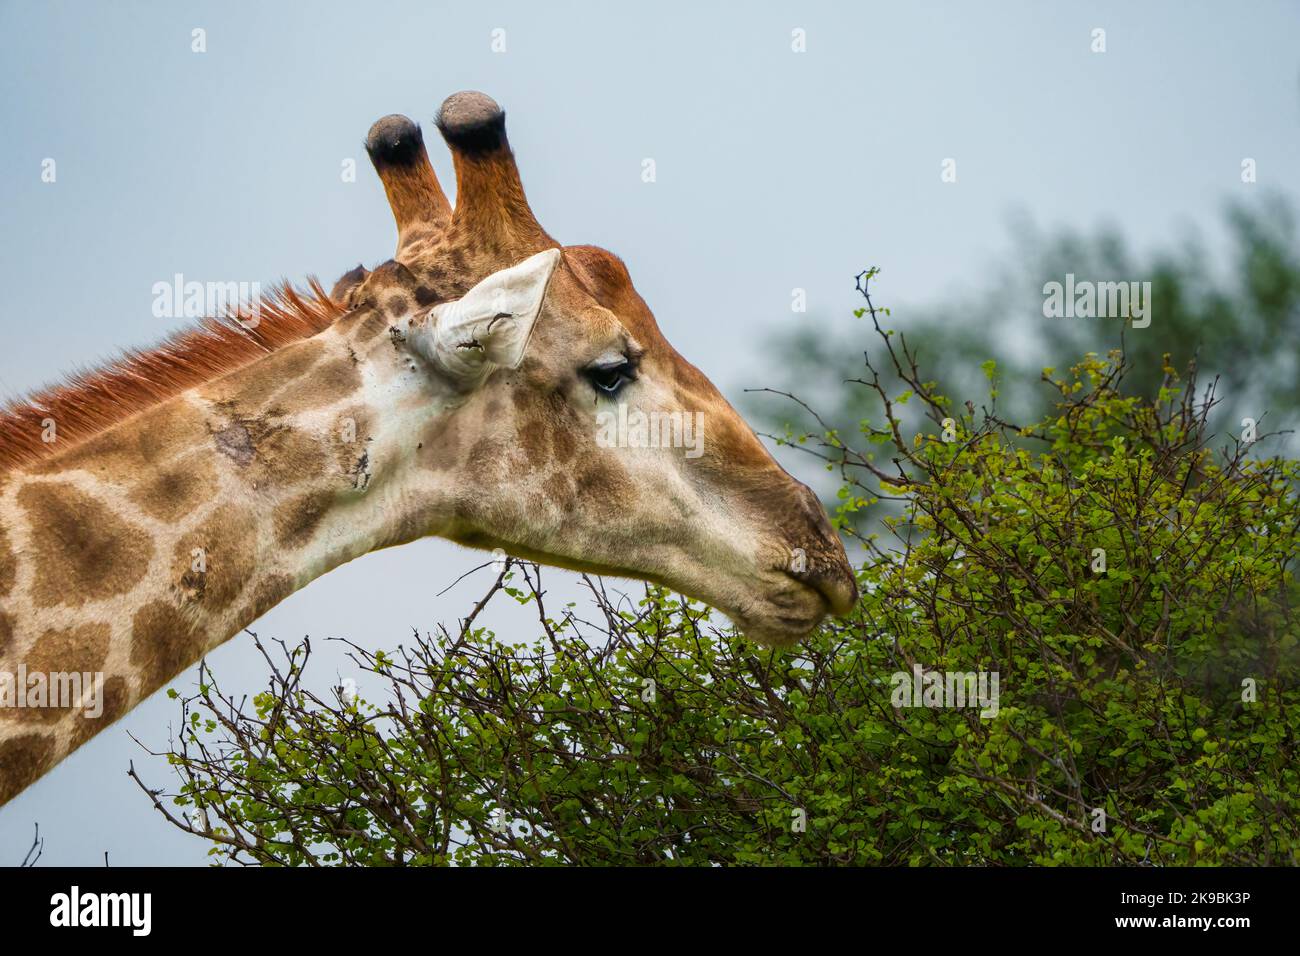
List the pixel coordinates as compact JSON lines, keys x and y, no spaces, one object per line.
{"x":775,"y":639}
{"x":778,"y":628}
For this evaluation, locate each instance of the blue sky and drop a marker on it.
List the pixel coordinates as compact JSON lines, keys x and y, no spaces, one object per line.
{"x":775,"y":170}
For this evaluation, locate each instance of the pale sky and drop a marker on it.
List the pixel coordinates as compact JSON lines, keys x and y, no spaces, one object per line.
{"x":775,"y":170}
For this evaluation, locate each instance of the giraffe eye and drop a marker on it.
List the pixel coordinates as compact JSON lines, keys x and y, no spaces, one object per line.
{"x":609,"y":379}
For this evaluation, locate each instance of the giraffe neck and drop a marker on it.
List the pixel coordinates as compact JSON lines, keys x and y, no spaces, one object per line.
{"x":134,"y":553}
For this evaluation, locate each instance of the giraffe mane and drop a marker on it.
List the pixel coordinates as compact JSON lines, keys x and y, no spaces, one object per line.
{"x":88,"y":401}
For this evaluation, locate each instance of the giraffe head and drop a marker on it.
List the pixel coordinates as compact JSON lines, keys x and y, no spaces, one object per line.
{"x":575,"y":432}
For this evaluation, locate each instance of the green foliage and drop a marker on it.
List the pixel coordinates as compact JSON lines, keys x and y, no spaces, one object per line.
{"x":1146,"y":713}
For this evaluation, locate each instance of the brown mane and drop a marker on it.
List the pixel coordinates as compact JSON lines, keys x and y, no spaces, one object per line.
{"x":90,"y":400}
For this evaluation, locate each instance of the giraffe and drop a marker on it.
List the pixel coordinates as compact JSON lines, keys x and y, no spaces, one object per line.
{"x":452,"y":391}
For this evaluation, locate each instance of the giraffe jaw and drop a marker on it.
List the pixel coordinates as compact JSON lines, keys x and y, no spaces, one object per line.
{"x":787,"y":610}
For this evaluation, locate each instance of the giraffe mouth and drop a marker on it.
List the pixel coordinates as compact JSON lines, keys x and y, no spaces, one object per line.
{"x":778,"y":631}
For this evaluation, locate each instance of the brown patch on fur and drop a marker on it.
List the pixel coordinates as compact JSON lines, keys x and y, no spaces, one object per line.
{"x":372,"y":326}
{"x":8,"y":564}
{"x":545,"y":434}
{"x":226,"y":539}
{"x":533,"y":440}
{"x":88,"y":402}
{"x":80,"y":650}
{"x":486,"y":458}
{"x":559,"y":423}
{"x":268,"y":594}
{"x":297,"y":520}
{"x":117,"y":701}
{"x":397,"y":305}
{"x":332,"y":382}
{"x":459,"y":264}
{"x":559,"y":491}
{"x":563,"y":445}
{"x":80,"y":549}
{"x":291,"y":456}
{"x":23,"y":759}
{"x":603,"y":486}
{"x":176,"y":491}
{"x":6,"y":634}
{"x":441,"y":443}
{"x":163,"y":643}
{"x":83,"y":649}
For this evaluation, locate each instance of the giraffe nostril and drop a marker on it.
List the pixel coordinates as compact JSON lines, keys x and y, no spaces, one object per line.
{"x":835,"y":583}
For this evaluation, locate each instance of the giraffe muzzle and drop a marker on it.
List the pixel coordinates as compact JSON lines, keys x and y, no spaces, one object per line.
{"x":821,"y":563}
{"x":835,"y":583}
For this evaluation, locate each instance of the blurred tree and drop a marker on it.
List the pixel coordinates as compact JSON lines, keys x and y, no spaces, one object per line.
{"x":1240,"y":321}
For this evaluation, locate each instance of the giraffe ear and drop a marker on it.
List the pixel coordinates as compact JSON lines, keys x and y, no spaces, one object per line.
{"x":492,"y":323}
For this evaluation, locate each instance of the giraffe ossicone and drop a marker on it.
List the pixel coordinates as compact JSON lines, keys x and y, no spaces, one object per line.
{"x":457,"y":390}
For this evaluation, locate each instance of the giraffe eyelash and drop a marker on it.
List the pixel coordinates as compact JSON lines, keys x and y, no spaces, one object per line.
{"x":609,"y":378}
